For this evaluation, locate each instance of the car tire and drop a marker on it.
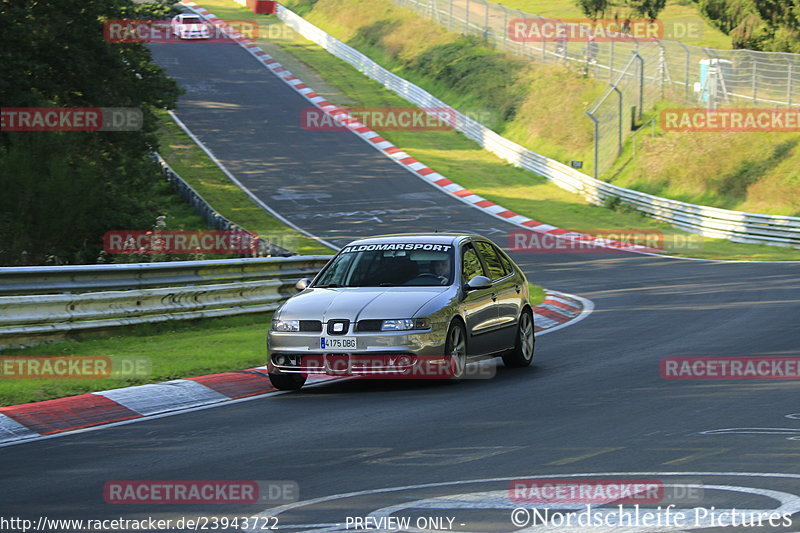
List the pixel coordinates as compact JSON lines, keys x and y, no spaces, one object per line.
{"x":522,"y":354}
{"x":287,"y":381}
{"x":456,"y":347}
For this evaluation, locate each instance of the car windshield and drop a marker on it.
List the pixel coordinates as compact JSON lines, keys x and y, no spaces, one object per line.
{"x":191,"y":20}
{"x":390,"y":265}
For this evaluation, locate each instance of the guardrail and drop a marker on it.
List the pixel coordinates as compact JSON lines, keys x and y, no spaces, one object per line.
{"x":55,"y":301}
{"x":708,"y":221}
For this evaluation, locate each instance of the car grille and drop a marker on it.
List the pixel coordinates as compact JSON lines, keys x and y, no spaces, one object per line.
{"x":311,"y":326}
{"x":369,"y":325}
{"x":345,"y":326}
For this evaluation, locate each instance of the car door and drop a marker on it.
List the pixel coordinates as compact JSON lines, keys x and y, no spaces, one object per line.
{"x":478,"y":307}
{"x":506,"y":291}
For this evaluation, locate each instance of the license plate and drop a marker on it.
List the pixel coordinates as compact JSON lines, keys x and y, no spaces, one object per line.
{"x":337,"y":343}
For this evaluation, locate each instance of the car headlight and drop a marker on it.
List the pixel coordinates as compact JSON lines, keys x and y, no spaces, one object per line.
{"x":285,"y":325}
{"x":404,"y":324}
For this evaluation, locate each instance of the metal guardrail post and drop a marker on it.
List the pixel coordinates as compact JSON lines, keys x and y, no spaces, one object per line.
{"x":450,"y":20}
{"x":687,"y":69}
{"x":486,"y":29}
{"x":640,"y":81}
{"x":662,"y":70}
{"x":543,"y":44}
{"x":611,"y":63}
{"x":505,"y":26}
{"x":619,"y":141}
{"x":595,"y":171}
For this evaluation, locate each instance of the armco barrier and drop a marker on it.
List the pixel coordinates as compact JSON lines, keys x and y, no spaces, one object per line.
{"x":36,"y":301}
{"x":708,"y":221}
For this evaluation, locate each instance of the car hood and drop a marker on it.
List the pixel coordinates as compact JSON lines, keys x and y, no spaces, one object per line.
{"x":358,"y":303}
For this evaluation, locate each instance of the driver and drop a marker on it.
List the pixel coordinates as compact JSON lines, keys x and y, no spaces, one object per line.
{"x":441,"y":269}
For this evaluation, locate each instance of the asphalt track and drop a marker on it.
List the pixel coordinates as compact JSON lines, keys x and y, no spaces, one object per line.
{"x":593,"y":403}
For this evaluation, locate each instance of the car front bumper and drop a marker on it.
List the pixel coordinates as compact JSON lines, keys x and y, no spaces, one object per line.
{"x":193,"y":35}
{"x":376,"y":353}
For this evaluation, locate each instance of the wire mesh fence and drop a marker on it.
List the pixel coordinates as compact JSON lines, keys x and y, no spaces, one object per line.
{"x":640,"y":71}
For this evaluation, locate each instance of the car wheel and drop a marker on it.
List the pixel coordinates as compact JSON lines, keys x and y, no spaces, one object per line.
{"x":522,"y":353}
{"x":456,"y":347}
{"x":287,"y":381}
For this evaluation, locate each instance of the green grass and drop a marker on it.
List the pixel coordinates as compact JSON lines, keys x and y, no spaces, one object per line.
{"x":176,"y":349}
{"x":462,"y":160}
{"x":754,"y":172}
{"x":681,"y":18}
{"x":195,"y":167}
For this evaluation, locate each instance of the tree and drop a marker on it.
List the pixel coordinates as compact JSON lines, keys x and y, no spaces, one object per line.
{"x":646,"y":8}
{"x":593,"y":9}
{"x":63,"y":190}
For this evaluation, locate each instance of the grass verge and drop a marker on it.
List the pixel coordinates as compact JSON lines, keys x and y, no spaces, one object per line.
{"x":175,"y":349}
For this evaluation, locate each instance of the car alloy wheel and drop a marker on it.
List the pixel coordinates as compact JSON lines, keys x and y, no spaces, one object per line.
{"x":522,"y":353}
{"x":456,"y":347}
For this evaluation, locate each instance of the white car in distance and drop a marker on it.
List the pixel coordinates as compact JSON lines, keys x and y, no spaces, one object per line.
{"x":188,"y":26}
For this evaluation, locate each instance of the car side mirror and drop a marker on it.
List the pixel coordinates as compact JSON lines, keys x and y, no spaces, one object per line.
{"x":477,"y":283}
{"x":302,"y":284}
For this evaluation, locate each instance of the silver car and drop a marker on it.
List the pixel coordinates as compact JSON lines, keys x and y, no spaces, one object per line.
{"x":404,"y":305}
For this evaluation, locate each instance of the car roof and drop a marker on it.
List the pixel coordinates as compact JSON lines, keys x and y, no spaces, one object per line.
{"x":425,"y":238}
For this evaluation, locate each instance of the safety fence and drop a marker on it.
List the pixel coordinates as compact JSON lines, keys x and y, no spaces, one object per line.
{"x":708,"y":221}
{"x":641,"y":71}
{"x":44,"y":301}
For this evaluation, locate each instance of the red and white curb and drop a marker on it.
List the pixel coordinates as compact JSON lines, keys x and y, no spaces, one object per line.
{"x":400,"y":157}
{"x":63,"y":415}
{"x":38,"y":420}
{"x":559,"y":310}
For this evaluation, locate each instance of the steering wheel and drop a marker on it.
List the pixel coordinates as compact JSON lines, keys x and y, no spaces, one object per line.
{"x":440,"y":279}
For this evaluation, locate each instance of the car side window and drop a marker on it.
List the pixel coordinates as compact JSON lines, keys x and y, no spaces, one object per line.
{"x":492,"y":259}
{"x":505,"y":260}
{"x":470,"y":263}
